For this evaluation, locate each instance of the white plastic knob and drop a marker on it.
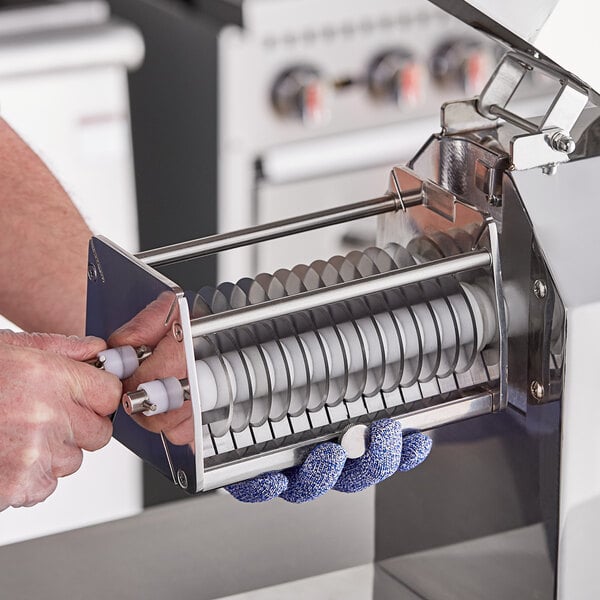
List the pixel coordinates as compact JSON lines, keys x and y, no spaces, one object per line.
{"x":121,"y":362}
{"x":163,"y":395}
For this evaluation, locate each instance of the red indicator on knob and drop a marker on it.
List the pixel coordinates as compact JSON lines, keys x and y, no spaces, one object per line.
{"x":396,"y":77}
{"x":466,"y":63}
{"x":301,"y":93}
{"x":312,"y":103}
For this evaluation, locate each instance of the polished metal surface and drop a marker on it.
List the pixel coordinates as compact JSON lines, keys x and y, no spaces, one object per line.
{"x":565,"y":219}
{"x":561,"y":32}
{"x":435,"y":412}
{"x":271,"y":231}
{"x":536,"y":141}
{"x":137,"y":402}
{"x":187,"y":464}
{"x":510,"y":564}
{"x":340,"y":292}
{"x":122,"y":288}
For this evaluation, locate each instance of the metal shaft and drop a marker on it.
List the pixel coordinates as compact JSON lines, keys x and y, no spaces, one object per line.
{"x":270,"y":231}
{"x":272,"y":309}
{"x":513,"y":118}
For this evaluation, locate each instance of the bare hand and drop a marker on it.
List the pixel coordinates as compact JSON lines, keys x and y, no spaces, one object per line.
{"x":152,"y":327}
{"x":51,"y":407}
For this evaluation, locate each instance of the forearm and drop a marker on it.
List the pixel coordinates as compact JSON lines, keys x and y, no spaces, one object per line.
{"x":43,"y":246}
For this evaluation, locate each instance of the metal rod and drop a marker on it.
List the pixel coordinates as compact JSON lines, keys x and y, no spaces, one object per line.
{"x":270,"y":231}
{"x":513,"y":118}
{"x":272,"y":309}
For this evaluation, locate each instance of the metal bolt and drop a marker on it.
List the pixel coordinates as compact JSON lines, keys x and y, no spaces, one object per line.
{"x":540,"y":289}
{"x":537,"y":390}
{"x":182,"y":478}
{"x":494,"y":201}
{"x":137,"y":402}
{"x":177,"y":332}
{"x":550,"y":169}
{"x":92,"y":272}
{"x":561,"y":141}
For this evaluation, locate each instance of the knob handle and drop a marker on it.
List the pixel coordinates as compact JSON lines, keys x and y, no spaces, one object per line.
{"x":395,"y":76}
{"x":466,"y":63}
{"x":301,"y":93}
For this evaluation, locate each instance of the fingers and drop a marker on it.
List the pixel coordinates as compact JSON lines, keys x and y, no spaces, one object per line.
{"x":317,"y":475}
{"x":94,"y":389}
{"x":167,"y":422}
{"x":167,"y":360}
{"x":181,"y":434}
{"x":51,"y":407}
{"x":76,"y":348}
{"x":260,"y":489}
{"x":39,"y":494}
{"x":67,"y":462}
{"x":415,"y":450}
{"x":380,"y":461}
{"x":89,"y":430}
{"x":150,"y":325}
{"x":28,"y":486}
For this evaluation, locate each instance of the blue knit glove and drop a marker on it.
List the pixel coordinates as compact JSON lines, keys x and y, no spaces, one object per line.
{"x":327,"y":467}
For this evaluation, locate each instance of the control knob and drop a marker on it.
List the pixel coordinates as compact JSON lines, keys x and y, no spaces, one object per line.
{"x":301,"y":93}
{"x":395,"y":76}
{"x":466,"y":63}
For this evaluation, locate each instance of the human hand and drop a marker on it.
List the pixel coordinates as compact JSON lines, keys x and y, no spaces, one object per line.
{"x":51,"y":407}
{"x":152,"y":327}
{"x":327,"y":467}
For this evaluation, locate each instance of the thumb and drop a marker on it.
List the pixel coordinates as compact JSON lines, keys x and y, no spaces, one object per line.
{"x":150,"y":325}
{"x":76,"y":348}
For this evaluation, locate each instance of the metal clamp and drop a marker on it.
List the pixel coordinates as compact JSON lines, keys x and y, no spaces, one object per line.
{"x":544,"y":143}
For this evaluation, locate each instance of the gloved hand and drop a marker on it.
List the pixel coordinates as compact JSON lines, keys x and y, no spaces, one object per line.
{"x":51,"y":407}
{"x":327,"y":467}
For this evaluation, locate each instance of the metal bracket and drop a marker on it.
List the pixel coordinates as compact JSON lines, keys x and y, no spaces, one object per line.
{"x":462,"y":116}
{"x":546,"y":142}
{"x":406,"y":185}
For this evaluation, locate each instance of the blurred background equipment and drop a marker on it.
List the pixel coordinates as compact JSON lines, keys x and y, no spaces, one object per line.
{"x":63,"y":87}
{"x":252,"y":110}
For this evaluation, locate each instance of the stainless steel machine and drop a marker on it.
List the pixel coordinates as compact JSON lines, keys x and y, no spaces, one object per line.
{"x":478,"y":300}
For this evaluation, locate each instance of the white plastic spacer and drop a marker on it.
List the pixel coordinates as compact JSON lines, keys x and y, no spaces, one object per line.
{"x":121,"y":362}
{"x":163,"y":395}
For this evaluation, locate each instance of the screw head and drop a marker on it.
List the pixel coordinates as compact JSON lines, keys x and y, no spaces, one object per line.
{"x":177,"y":330}
{"x":537,"y":390}
{"x":540,"y":289}
{"x":550,"y":169}
{"x":494,"y":201}
{"x":182,"y":479}
{"x":92,"y":272}
{"x":561,"y":141}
